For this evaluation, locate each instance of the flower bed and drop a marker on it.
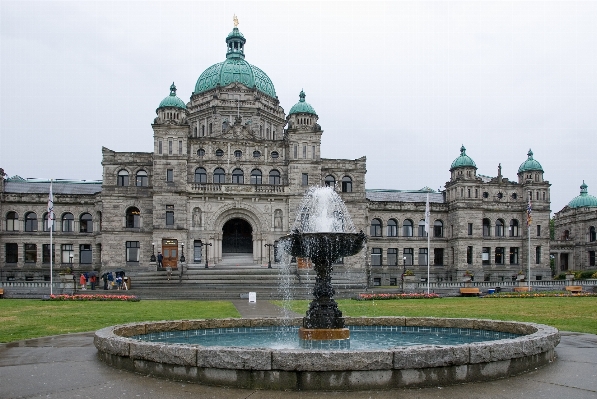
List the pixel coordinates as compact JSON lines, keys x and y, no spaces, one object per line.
{"x":380,"y":296}
{"x":539,"y":294}
{"x":93,"y":297}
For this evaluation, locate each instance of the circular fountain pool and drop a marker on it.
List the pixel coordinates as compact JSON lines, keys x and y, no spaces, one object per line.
{"x":515,"y":348}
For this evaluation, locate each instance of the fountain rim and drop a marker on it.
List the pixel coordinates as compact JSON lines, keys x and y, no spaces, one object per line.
{"x":284,"y":369}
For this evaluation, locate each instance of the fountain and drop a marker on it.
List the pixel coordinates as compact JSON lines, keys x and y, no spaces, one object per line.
{"x":483,"y":349}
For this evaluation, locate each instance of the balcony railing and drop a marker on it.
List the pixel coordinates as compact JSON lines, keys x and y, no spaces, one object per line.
{"x":236,"y":188}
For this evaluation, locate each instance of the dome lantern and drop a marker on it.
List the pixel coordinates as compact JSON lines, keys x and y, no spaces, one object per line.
{"x":530,"y":164}
{"x":463,"y":160}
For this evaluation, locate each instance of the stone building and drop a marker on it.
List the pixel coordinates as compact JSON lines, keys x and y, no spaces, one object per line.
{"x":575,"y":235}
{"x":223,"y":183}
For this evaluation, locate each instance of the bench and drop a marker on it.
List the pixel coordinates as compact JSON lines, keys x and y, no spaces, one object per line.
{"x":575,"y":289}
{"x":1,"y":292}
{"x":469,"y":291}
{"x":524,"y":288}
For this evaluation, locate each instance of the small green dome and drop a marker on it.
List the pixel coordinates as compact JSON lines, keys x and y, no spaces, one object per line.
{"x":584,"y":200}
{"x":302,"y":107}
{"x":235,"y":69}
{"x":530,"y":164}
{"x":463,"y":160}
{"x":172,"y":100}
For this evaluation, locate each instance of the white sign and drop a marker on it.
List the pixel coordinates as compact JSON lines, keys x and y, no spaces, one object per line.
{"x":252,"y":297}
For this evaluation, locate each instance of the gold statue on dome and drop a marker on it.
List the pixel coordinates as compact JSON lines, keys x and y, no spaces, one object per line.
{"x":235,"y":19}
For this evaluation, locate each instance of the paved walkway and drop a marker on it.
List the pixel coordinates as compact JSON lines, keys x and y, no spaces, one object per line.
{"x":66,"y":366}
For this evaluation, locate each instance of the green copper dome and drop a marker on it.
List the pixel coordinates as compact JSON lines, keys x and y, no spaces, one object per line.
{"x":302,"y":107}
{"x":463,"y":160}
{"x":235,"y":69}
{"x":530,"y":164}
{"x":584,"y":200}
{"x":172,"y":100}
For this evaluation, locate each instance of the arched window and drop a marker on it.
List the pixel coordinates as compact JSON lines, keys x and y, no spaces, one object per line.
{"x":86,"y":223}
{"x":68,"y":221}
{"x":275,"y":155}
{"x":255,"y":176}
{"x":142,"y":180}
{"x":392,"y":228}
{"x":200,"y":176}
{"x":238,"y":153}
{"x":219,"y":152}
{"x":438,"y":228}
{"x":330,"y":181}
{"x":219,"y":176}
{"x":346,"y":184}
{"x":274,"y":177}
{"x":31,"y":221}
{"x":133,"y":217}
{"x":12,"y":221}
{"x":123,"y":178}
{"x":499,"y":228}
{"x":238,"y":176}
{"x":486,"y":228}
{"x":407,"y":228}
{"x":376,"y":228}
{"x":422,"y":232}
{"x":45,"y":223}
{"x":592,"y":234}
{"x":566,"y":235}
{"x":201,"y":152}
{"x":513,"y":228}
{"x":256,"y":154}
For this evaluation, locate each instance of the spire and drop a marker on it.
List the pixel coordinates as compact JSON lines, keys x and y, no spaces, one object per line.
{"x":302,"y":96}
{"x":173,"y":90}
{"x":583,"y":188}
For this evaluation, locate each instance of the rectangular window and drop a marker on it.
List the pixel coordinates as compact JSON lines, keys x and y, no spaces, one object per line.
{"x":67,"y":253}
{"x":538,"y":255}
{"x":470,"y":229}
{"x":12,"y":253}
{"x":169,"y":147}
{"x":392,"y":256}
{"x":304,"y":152}
{"x":85,"y":253}
{"x":423,"y":256}
{"x":438,"y":256}
{"x":375,"y":256}
{"x":469,"y":255}
{"x":408,"y":256}
{"x":469,"y":192}
{"x":30,"y":253}
{"x":305,"y":180}
{"x":486,"y":255}
{"x":591,"y":258}
{"x":160,"y":147}
{"x":499,"y":256}
{"x":393,"y":281}
{"x":513,"y":255}
{"x":313,"y":151}
{"x":295,"y":151}
{"x":45,"y":253}
{"x":170,"y":175}
{"x":132,"y":251}
{"x":169,"y":218}
{"x":476,"y":193}
{"x":538,"y":230}
{"x":377,"y":282}
{"x":179,"y":147}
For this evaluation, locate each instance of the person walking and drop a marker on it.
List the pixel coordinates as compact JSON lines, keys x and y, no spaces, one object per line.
{"x":82,"y":281}
{"x":169,"y":271}
{"x":160,"y":259}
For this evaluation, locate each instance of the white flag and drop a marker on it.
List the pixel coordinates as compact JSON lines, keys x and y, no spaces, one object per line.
{"x":427,"y":215}
{"x":50,"y":209}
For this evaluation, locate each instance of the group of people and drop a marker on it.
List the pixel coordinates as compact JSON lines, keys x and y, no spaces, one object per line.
{"x":114,"y":280}
{"x":85,"y":278}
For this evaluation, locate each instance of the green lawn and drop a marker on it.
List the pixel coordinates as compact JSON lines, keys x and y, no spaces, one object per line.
{"x":567,"y":314}
{"x":30,"y":318}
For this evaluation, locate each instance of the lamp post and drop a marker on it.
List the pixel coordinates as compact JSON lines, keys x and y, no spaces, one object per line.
{"x":206,"y":254}
{"x":70,"y":262}
{"x":152,"y":259}
{"x":403,"y":270}
{"x":269,"y":255}
{"x":182,"y":258}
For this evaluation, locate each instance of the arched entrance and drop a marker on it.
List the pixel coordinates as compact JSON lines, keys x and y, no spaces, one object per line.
{"x":236,"y":237}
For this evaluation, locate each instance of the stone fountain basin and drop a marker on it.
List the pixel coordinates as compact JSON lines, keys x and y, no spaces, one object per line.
{"x":303,"y":369}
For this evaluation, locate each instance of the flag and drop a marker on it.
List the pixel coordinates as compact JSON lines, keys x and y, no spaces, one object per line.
{"x":50,"y":209}
{"x":427,"y":215}
{"x":529,"y":218}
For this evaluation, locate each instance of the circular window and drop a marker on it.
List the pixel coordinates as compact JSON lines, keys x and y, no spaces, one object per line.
{"x":500,"y":195}
{"x":275,"y":154}
{"x":485,"y":194}
{"x":514,"y":195}
{"x":256,"y":154}
{"x":238,"y":153}
{"x":219,"y":153}
{"x":201,"y":152}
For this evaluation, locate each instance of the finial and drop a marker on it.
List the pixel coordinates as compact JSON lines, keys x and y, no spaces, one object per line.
{"x":173,"y":89}
{"x":462,"y":150}
{"x":302,"y":96}
{"x":583,"y":188}
{"x":530,"y":154}
{"x":235,"y":20}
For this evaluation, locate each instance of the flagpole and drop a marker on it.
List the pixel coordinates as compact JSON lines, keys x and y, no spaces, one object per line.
{"x":529,"y":219}
{"x":51,"y":226}
{"x":427,"y":221}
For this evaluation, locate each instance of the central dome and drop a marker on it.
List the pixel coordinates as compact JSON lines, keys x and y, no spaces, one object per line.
{"x":235,"y":69}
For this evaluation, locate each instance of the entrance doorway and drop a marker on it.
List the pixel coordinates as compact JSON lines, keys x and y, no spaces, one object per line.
{"x":236,"y":237}
{"x":170,"y":253}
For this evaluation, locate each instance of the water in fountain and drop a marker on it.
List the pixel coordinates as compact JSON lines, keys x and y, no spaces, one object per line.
{"x":323,"y":211}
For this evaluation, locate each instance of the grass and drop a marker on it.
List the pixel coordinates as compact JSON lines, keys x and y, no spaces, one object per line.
{"x":30,"y":318}
{"x":567,"y":314}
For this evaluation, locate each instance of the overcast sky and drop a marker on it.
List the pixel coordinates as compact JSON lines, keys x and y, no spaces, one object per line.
{"x":403,"y":83}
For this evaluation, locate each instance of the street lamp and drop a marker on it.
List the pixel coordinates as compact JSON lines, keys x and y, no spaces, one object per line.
{"x":403,"y":270}
{"x":152,"y":259}
{"x":206,"y":254}
{"x":269,"y":255}
{"x":182,"y":258}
